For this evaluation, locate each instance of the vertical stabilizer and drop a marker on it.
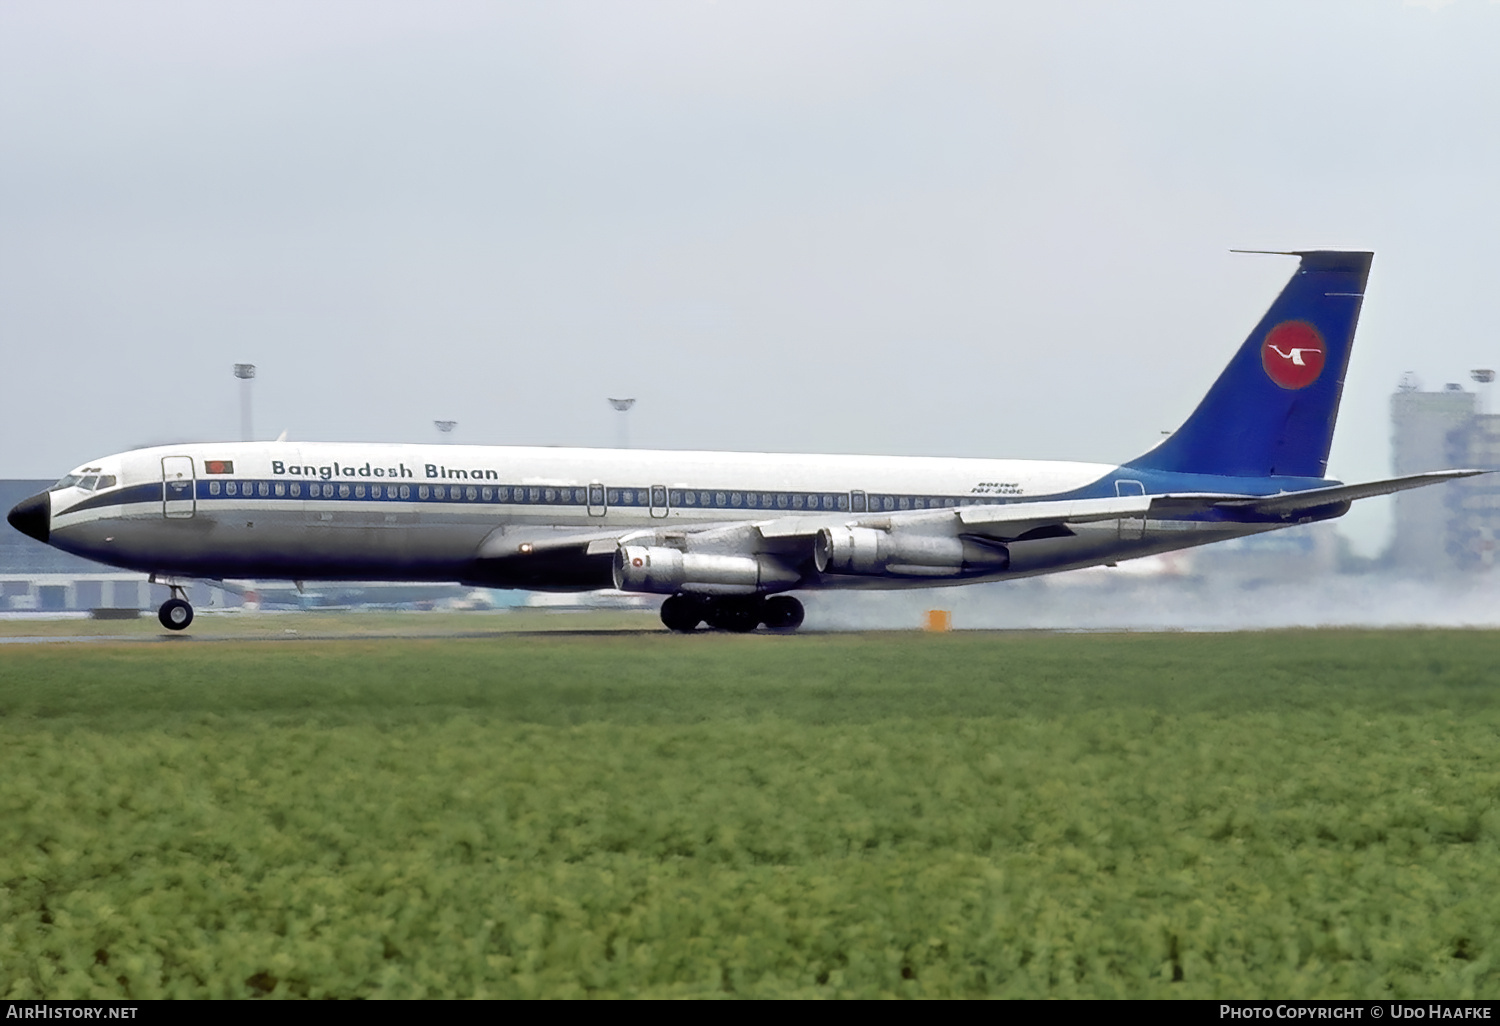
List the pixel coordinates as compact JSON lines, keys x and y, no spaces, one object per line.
{"x":1272,"y":411}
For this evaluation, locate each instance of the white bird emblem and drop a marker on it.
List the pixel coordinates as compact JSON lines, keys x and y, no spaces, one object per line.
{"x":1295,"y":355}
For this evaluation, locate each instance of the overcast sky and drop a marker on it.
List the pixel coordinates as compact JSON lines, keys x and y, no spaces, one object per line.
{"x":934,"y":228}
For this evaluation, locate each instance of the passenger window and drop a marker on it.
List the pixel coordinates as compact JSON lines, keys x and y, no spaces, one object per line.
{"x":842,"y":502}
{"x":343,"y":491}
{"x":296,"y":490}
{"x":734,"y":500}
{"x":263,"y":488}
{"x":720,"y":499}
{"x":903,"y":503}
{"x":796,"y":502}
{"x":534,"y":494}
{"x":487,"y":493}
{"x":690,"y":498}
{"x":781,"y":500}
{"x":422,"y":491}
{"x":280,"y":489}
{"x":752,"y":500}
{"x":213,"y":488}
{"x":406,"y":491}
{"x":889,"y":502}
{"x":550,"y":494}
{"x":471,"y":493}
{"x":676,"y":498}
{"x":231,"y":488}
{"x":359,"y":491}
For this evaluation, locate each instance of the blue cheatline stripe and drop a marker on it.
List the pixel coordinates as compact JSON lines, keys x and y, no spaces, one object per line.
{"x":636,"y":497}
{"x":120,"y":497}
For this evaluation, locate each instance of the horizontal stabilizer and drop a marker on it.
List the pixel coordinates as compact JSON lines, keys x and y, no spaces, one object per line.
{"x":1294,"y":502}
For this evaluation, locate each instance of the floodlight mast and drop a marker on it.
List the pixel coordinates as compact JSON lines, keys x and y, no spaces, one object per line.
{"x":623,"y":406}
{"x":1483,"y":377}
{"x":246,"y":373}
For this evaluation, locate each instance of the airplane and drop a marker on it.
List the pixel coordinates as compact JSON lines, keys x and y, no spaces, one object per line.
{"x":727,"y":537}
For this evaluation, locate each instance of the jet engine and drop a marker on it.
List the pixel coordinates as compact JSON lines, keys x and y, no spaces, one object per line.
{"x":868,"y":550}
{"x":666,"y":571}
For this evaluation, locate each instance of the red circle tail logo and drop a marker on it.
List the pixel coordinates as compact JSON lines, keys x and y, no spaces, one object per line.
{"x":1293,"y":354}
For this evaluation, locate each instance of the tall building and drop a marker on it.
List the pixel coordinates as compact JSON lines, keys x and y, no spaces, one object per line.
{"x":1453,"y":527}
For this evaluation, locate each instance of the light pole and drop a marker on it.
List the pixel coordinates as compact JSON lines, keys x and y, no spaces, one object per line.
{"x":245,"y":372}
{"x":1483,"y":377}
{"x":623,"y":405}
{"x":445,"y":428}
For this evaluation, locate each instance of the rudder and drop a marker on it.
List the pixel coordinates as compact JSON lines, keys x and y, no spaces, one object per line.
{"x":1272,"y":411}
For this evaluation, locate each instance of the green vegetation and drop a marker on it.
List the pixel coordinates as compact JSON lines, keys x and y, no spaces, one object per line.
{"x":1297,"y":814}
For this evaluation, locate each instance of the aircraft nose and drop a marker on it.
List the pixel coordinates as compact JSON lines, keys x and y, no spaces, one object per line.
{"x":33,"y":516}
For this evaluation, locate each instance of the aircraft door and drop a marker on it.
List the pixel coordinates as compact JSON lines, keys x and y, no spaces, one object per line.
{"x":1131,"y":528}
{"x":658,"y":501}
{"x":179,"y":487}
{"x":597,"y":508}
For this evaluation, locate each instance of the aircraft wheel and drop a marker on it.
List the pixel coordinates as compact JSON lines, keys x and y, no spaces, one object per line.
{"x":739,"y":616}
{"x":782,"y":613}
{"x":175,"y":614}
{"x":682,"y":613}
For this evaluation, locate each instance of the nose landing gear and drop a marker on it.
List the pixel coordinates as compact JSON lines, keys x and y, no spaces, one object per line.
{"x":735,"y":613}
{"x":176,"y":614}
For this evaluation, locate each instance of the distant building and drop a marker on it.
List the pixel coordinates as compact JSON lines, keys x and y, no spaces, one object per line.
{"x":1452,"y":527}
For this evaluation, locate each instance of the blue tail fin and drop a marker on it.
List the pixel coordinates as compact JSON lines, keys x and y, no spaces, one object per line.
{"x":1272,"y":411}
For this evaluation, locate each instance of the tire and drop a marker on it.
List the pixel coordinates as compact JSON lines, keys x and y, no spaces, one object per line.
{"x":782,"y":613}
{"x":175,"y":614}
{"x":738,"y":616}
{"x":682,"y":613}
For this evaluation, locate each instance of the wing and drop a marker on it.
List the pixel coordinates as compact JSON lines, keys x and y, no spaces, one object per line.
{"x":934,"y":542}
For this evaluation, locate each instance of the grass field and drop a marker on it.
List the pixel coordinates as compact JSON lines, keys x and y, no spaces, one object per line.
{"x":1299,"y":814}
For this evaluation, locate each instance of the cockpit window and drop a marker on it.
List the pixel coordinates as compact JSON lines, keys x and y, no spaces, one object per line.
{"x":66,"y":482}
{"x":89,"y":483}
{"x":106,"y":481}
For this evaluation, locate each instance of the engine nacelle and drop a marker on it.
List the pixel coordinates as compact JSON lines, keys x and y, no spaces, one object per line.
{"x":868,"y":550}
{"x":665,"y":571}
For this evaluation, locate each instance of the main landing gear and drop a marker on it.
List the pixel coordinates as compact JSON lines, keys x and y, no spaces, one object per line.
{"x":176,"y":613}
{"x":738,"y":613}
